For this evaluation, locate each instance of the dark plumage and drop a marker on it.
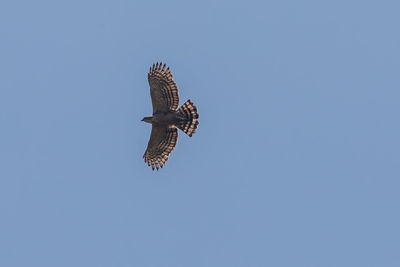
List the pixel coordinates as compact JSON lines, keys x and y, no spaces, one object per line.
{"x":165,"y":119}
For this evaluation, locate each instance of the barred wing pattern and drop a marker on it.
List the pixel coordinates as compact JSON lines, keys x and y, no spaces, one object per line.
{"x":162,"y":141}
{"x":163,"y":90}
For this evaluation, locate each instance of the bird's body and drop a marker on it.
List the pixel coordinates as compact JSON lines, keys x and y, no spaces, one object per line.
{"x":166,"y":118}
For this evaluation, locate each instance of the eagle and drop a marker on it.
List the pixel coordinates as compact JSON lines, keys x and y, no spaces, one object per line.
{"x":166,"y":117}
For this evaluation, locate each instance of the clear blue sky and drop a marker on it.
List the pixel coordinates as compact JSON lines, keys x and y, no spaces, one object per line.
{"x":295,"y":162}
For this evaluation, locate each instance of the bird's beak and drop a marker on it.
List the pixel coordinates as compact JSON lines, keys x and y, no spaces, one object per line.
{"x":147,"y":119}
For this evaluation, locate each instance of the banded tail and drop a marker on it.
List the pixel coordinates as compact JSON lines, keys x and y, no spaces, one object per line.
{"x":189,"y":122}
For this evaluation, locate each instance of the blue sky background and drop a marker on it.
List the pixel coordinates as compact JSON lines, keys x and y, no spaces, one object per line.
{"x":295,"y":162}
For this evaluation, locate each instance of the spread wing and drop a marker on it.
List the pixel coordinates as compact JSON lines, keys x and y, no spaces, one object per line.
{"x":162,"y":141}
{"x":163,"y":90}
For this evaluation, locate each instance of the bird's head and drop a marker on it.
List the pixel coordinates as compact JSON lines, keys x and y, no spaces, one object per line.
{"x":147,"y":119}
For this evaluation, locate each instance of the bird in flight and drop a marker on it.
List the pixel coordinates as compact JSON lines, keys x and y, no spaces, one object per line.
{"x":166,"y":117}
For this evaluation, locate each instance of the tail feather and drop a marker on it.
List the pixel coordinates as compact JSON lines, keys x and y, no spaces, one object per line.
{"x":188,"y":112}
